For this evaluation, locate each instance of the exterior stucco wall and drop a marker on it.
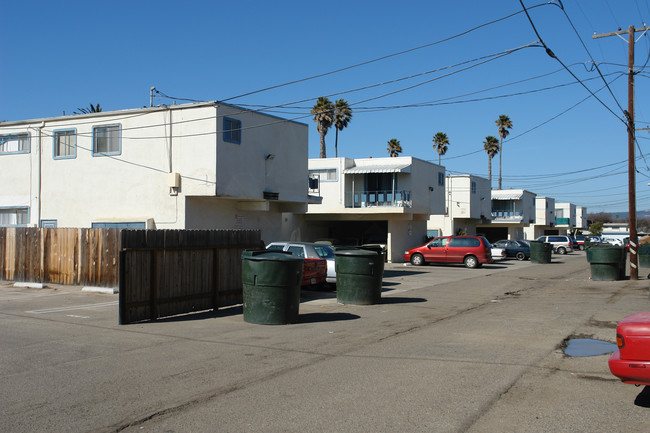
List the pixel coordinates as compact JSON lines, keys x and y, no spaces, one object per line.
{"x":133,"y":184}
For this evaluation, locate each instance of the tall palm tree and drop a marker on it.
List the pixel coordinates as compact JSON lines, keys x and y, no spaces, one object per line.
{"x":91,"y":109}
{"x":491,"y":146}
{"x":441,"y":142}
{"x":323,"y":112}
{"x":394,"y":147}
{"x":342,"y":116}
{"x":504,"y":124}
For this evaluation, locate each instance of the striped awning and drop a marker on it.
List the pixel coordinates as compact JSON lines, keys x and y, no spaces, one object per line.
{"x":380,"y":168}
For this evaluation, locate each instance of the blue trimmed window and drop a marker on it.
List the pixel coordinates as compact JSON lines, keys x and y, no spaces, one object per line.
{"x":107,"y":140}
{"x":441,"y":179}
{"x":231,"y":130}
{"x":14,"y":143}
{"x":473,"y":187}
{"x":65,"y":144}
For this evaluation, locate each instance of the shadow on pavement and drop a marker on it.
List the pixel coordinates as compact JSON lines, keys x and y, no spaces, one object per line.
{"x":643,"y":399}
{"x":401,"y":300}
{"x":326,"y":317}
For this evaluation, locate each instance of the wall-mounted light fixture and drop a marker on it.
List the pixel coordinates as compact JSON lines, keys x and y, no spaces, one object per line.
{"x":269,"y":156}
{"x":430,"y":188}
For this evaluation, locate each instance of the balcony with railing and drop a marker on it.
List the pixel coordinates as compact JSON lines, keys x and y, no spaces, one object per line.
{"x":516,"y":216}
{"x":562,"y":221}
{"x":365,"y":199}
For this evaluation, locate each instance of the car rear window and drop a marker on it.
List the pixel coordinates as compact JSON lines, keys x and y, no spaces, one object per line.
{"x":464,"y":242}
{"x":275,"y":247}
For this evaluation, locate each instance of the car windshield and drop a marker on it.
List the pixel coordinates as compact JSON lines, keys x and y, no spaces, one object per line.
{"x":324,"y":252}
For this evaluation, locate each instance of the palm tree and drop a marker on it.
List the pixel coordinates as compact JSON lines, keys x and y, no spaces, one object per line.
{"x":91,"y":109}
{"x":394,"y":147}
{"x":342,"y":116}
{"x":491,"y":146}
{"x":441,"y":142}
{"x":323,"y":112}
{"x":503,"y":123}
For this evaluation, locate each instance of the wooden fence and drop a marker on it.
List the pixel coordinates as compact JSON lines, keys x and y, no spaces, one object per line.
{"x":76,"y":256}
{"x":170,"y":272}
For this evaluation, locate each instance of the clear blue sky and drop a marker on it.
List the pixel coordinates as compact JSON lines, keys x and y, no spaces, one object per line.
{"x":59,"y":56}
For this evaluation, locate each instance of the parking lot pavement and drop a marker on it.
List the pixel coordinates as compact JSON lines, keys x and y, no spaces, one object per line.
{"x":449,"y":349}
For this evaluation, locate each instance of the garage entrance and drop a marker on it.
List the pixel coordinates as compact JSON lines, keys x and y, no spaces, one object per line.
{"x":493,"y":234}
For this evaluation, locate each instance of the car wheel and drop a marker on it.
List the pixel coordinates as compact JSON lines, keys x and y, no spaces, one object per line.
{"x":520,"y":256}
{"x":561,"y":250}
{"x":417,"y":260}
{"x":471,"y":262}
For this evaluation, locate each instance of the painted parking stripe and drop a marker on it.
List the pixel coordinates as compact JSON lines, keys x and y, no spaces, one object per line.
{"x":72,"y":308}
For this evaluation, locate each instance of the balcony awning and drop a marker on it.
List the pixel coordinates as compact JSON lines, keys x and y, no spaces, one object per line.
{"x":507,"y":195}
{"x":382,"y":168}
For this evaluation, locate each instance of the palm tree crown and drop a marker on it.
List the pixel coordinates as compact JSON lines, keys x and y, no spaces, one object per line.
{"x":91,"y":109}
{"x":342,"y":117}
{"x":394,"y":147}
{"x":441,"y":141}
{"x":491,"y":146}
{"x":323,"y":112}
{"x":503,"y":124}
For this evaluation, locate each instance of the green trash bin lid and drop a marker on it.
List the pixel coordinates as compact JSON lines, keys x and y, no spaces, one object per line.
{"x":272,"y":255}
{"x":356,"y":253}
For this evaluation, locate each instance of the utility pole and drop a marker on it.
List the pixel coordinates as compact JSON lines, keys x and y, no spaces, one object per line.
{"x":631,"y":170}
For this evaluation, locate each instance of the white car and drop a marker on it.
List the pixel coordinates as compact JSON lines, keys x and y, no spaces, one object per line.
{"x":498,"y":253}
{"x":312,"y":251}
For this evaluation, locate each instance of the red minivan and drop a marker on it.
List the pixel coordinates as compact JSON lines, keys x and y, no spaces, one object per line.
{"x":473,"y":251}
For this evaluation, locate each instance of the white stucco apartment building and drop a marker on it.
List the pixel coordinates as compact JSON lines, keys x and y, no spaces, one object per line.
{"x":513,"y":210}
{"x":191,"y":166}
{"x":467,"y":204}
{"x":374,"y":200}
{"x":544,"y":219}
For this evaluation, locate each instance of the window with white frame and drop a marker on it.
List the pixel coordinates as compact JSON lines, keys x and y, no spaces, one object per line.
{"x":14,"y":143}
{"x":107,"y":139}
{"x":65,"y":144}
{"x":441,"y":179}
{"x":324,"y":174}
{"x":14,"y":216}
{"x":231,"y":130}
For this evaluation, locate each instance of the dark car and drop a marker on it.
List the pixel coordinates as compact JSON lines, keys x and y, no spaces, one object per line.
{"x":517,"y":249}
{"x":473,"y":251}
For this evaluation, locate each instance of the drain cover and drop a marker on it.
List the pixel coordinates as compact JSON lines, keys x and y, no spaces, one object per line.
{"x":588,"y":347}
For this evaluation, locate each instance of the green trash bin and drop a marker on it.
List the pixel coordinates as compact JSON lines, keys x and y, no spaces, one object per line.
{"x":607,"y":262}
{"x":271,"y":283}
{"x":540,"y":252}
{"x":359,"y":275}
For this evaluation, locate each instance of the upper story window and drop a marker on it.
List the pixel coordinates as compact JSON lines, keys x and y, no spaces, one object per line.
{"x":14,"y":143}
{"x":231,"y":130}
{"x":441,"y":179}
{"x":473,"y":187}
{"x":107,"y":140}
{"x":324,"y":174}
{"x":65,"y":144}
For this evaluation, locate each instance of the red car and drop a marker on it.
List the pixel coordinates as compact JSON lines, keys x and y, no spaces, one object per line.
{"x":473,"y":251}
{"x":631,"y":362}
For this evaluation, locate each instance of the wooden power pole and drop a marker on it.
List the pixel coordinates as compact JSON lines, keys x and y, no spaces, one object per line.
{"x":631,"y":170}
